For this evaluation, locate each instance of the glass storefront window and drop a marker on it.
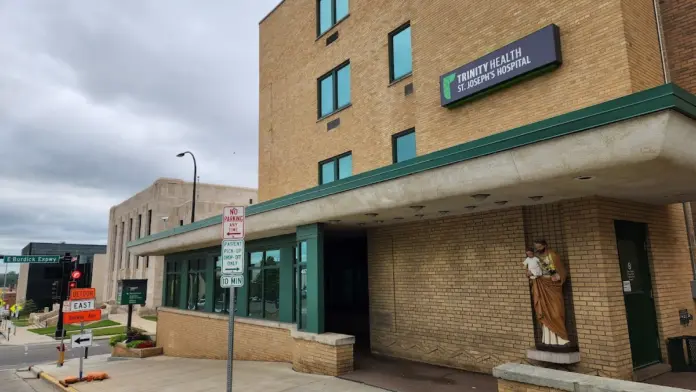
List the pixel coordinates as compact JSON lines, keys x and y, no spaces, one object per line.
{"x":196,"y":285}
{"x":264,"y":284}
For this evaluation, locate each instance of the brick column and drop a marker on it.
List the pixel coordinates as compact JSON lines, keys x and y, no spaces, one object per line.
{"x":600,"y":313}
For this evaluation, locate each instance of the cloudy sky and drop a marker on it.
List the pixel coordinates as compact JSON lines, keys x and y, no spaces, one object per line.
{"x":97,"y":98}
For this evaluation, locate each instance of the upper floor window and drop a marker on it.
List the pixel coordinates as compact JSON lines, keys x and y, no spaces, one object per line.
{"x":404,"y":145}
{"x":336,"y":168}
{"x":334,"y":90}
{"x":400,"y":61}
{"x":329,"y":13}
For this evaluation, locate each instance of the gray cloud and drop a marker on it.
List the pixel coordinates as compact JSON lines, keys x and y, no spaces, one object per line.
{"x":96,"y":98}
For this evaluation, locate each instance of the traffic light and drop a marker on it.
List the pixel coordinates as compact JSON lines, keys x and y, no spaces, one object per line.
{"x":76,"y":274}
{"x":72,"y":284}
{"x":55,"y":290}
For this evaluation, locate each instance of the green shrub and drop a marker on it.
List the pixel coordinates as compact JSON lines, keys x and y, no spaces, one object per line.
{"x":117,"y":339}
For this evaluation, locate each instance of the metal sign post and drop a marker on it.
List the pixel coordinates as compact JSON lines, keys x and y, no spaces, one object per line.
{"x":82,"y":331}
{"x":233,"y":231}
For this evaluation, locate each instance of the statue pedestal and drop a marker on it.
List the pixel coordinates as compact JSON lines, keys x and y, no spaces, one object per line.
{"x":551,"y":357}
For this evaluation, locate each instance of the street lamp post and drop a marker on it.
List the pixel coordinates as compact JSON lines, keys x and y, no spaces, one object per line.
{"x":193,"y":199}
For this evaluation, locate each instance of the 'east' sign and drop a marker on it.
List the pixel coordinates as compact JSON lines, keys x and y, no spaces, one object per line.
{"x":535,"y":53}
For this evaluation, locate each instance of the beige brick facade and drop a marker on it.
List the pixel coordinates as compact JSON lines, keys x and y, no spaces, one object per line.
{"x":203,"y":335}
{"x":609,"y":49}
{"x":679,"y":17}
{"x":468,"y":306}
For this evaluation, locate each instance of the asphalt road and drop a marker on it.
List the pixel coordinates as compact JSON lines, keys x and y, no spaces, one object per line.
{"x":15,"y":357}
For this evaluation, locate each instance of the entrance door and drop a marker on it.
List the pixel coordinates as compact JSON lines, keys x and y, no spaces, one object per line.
{"x":638,"y":296}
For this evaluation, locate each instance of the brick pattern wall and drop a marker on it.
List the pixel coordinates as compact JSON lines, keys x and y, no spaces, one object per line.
{"x":445,"y":35}
{"x":679,"y":19}
{"x":202,"y":335}
{"x":316,"y":358}
{"x":511,"y":386}
{"x":205,"y":336}
{"x":451,"y":291}
{"x":642,"y":44}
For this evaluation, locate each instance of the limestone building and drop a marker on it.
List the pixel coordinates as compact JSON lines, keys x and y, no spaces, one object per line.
{"x":166,"y":204}
{"x":411,"y":151}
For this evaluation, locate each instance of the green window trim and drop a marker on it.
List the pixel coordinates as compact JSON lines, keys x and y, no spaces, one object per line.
{"x":172,"y":284}
{"x":404,"y":138}
{"x":265,"y":273}
{"x":401,"y":54}
{"x":330,"y":13}
{"x":331,"y":92}
{"x":336,"y":168}
{"x":300,"y":285}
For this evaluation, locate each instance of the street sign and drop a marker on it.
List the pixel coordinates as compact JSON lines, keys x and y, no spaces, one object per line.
{"x":227,"y":281}
{"x":232,"y":257}
{"x":233,"y":223}
{"x":86,"y":293}
{"x":80,"y":305}
{"x":81,"y":340}
{"x":81,"y":317}
{"x":131,"y":291}
{"x":31,"y":259}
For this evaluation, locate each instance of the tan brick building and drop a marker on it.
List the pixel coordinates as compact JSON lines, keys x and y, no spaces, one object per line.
{"x":411,"y":151}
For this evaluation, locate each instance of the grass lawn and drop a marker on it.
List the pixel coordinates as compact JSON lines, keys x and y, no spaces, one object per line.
{"x":22,"y":322}
{"x":73,"y":327}
{"x":103,"y":331}
{"x":151,"y":318}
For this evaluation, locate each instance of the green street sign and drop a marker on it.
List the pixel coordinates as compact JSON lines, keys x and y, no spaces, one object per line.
{"x":32,"y":259}
{"x":131,"y":291}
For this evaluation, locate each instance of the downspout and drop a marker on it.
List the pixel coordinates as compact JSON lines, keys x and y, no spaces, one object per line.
{"x":688,"y":216}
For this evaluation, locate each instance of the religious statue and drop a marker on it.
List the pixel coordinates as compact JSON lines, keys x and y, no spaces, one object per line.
{"x":547,"y":293}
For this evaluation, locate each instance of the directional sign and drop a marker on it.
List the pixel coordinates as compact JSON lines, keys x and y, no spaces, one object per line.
{"x":84,"y":304}
{"x":31,"y":259}
{"x":78,"y":294}
{"x":233,"y":223}
{"x":82,"y":340}
{"x":232,"y":257}
{"x":227,"y":281}
{"x":81,"y":317}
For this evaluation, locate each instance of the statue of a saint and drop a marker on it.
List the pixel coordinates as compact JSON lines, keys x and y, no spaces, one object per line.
{"x":547,"y":292}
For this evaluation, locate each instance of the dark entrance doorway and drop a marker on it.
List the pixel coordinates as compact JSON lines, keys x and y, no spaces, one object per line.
{"x":631,"y":241}
{"x":346,"y":299}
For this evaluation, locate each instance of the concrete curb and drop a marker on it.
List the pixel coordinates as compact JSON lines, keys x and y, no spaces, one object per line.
{"x":39,"y":373}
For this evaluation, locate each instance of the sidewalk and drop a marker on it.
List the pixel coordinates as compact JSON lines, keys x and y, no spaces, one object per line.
{"x":169,"y":374}
{"x":22,"y":337}
{"x":137,"y":321}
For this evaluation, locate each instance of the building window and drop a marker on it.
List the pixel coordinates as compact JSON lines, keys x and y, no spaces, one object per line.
{"x":181,"y":222}
{"x":148,"y":232}
{"x":336,"y":168}
{"x":137,"y":236}
{"x":334,"y":90}
{"x":120,"y":246}
{"x":300,"y":271}
{"x":404,"y":145}
{"x":196,"y":285}
{"x":222,"y":295}
{"x":400,"y":58}
{"x":172,"y":284}
{"x":264,"y":284}
{"x":330,"y":12}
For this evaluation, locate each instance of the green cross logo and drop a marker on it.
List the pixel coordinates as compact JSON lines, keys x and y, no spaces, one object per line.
{"x":446,"y":82}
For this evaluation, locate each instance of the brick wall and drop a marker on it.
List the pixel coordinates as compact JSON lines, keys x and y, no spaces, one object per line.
{"x":679,"y":18}
{"x":316,"y":358}
{"x":601,"y":41}
{"x":451,"y":291}
{"x":204,"y":335}
{"x":642,"y":44}
{"x":511,"y":386}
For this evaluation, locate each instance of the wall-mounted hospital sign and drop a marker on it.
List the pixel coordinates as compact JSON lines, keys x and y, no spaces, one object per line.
{"x":526,"y":57}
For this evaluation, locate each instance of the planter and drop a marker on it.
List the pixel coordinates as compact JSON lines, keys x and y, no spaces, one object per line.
{"x":121,"y":350}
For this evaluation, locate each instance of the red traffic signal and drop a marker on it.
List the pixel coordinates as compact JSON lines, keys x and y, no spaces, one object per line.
{"x":72,"y":285}
{"x":76,"y":275}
